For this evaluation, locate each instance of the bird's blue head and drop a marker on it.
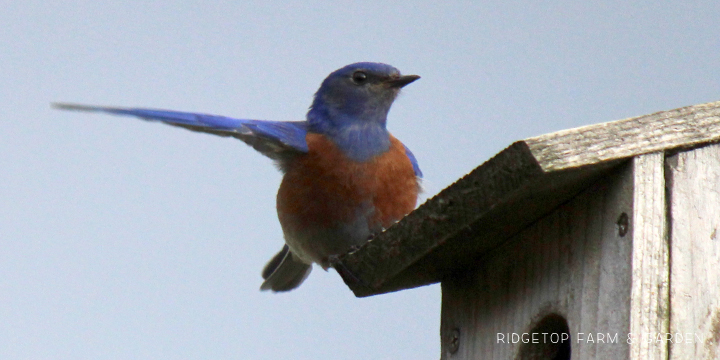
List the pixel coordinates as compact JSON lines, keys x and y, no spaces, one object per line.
{"x":352,"y":104}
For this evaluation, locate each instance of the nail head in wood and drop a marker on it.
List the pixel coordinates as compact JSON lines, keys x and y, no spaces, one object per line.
{"x":454,"y":341}
{"x":622,"y":224}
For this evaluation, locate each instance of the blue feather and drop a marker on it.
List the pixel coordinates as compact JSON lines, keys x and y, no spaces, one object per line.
{"x":277,"y":140}
{"x":274,"y":139}
{"x":413,"y":161}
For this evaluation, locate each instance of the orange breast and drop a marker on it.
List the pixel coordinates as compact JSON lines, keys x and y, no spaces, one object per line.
{"x":324,"y":188}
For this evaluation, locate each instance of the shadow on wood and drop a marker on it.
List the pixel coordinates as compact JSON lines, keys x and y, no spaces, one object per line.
{"x":609,"y":234}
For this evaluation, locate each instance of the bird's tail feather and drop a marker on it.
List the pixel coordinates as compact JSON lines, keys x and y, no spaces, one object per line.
{"x":284,"y":272}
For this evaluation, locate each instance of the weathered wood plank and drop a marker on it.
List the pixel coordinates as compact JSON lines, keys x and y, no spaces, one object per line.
{"x":574,"y":262}
{"x":587,"y":145}
{"x":650,"y":259}
{"x":511,"y":191}
{"x":477,"y":213}
{"x":694,"y":179}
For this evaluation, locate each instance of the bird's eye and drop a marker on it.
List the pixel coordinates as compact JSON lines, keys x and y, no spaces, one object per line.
{"x":359,"y":77}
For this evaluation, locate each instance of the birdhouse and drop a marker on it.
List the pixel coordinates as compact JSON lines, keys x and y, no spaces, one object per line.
{"x":600,"y":242}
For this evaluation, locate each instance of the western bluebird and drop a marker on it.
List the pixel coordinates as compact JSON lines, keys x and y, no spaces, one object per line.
{"x":346,"y":177}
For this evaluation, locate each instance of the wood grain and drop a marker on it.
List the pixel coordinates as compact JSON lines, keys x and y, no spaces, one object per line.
{"x":650,"y":259}
{"x":587,"y":145}
{"x":511,"y":191}
{"x":573,"y":262}
{"x":694,"y":178}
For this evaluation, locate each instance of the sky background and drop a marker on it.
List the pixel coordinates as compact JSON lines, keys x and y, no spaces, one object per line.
{"x":121,"y":239}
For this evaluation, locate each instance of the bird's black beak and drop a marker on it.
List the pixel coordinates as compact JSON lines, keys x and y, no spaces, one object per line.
{"x":401,"y":81}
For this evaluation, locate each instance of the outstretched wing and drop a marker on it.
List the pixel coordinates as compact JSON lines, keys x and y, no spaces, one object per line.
{"x":277,"y":140}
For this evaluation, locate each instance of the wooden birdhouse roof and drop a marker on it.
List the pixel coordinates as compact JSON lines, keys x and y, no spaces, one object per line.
{"x":510,"y":191}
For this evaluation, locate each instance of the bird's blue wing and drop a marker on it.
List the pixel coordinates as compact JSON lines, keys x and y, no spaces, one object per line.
{"x":414,"y":162}
{"x":275,"y":139}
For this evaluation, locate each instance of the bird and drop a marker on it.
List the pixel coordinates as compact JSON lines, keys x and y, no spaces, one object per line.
{"x":346,"y":178}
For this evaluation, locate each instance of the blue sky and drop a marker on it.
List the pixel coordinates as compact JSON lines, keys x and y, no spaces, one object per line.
{"x":121,"y":239}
